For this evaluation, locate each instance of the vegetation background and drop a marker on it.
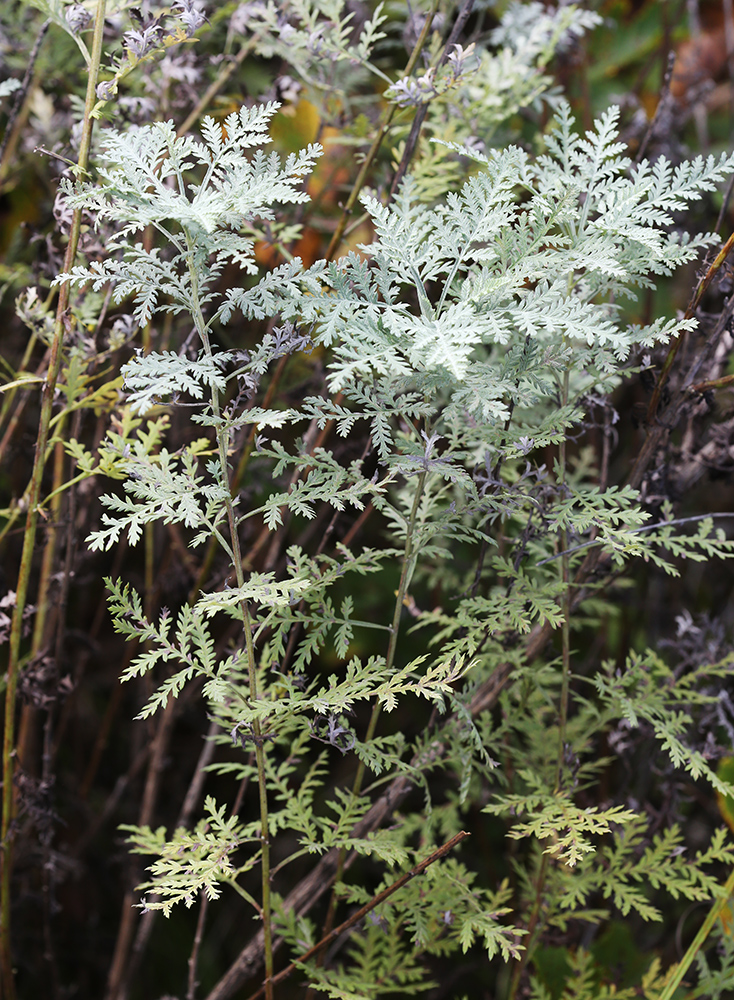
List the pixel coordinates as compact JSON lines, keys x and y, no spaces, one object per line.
{"x":79,"y":765}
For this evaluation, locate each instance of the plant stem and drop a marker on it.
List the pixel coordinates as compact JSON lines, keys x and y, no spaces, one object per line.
{"x":12,"y":126}
{"x":374,"y":149}
{"x":532,"y":930}
{"x":420,"y":115}
{"x":362,"y":912}
{"x":194,"y":957}
{"x":257,"y":731}
{"x":566,"y":627}
{"x":29,"y":713}
{"x":689,"y":313}
{"x":34,"y":492}
{"x":405,"y":575}
{"x":236,"y":480}
{"x":699,"y":940}
{"x":534,"y":923}
{"x":216,"y":85}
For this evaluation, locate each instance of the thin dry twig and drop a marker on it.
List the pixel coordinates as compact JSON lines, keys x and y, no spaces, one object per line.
{"x":420,"y":115}
{"x":662,"y":101}
{"x":21,"y":94}
{"x":364,"y":910}
{"x":313,"y":886}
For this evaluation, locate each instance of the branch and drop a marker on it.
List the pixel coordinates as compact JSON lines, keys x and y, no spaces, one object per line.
{"x":310,"y":889}
{"x":690,"y":312}
{"x":420,"y":114}
{"x":364,"y":910}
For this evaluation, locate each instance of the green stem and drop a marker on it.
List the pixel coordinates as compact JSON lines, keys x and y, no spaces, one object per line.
{"x":9,"y":409}
{"x":535,"y":923}
{"x":236,"y":480}
{"x":44,"y":584}
{"x":405,"y":575}
{"x":533,"y":928}
{"x":698,"y":942}
{"x":566,"y":627}
{"x":34,"y":491}
{"x":29,"y":713}
{"x":257,"y":731}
